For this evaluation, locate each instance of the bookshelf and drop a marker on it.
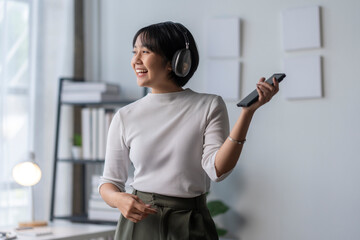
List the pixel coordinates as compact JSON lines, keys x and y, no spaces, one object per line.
{"x":83,"y":163}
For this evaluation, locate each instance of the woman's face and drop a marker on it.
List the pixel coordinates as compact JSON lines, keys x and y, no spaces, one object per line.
{"x":150,"y":68}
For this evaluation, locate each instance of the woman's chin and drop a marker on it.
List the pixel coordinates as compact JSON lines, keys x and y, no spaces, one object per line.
{"x":141,"y":83}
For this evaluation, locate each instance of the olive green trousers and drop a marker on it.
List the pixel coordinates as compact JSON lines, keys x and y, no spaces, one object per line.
{"x":177,"y":218}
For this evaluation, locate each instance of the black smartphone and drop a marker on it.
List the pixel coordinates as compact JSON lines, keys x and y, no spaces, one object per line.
{"x":254,"y":96}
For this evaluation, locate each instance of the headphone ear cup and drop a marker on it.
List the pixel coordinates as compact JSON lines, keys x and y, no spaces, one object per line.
{"x":181,"y":62}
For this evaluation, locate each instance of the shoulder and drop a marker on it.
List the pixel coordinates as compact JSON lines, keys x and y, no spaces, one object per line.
{"x":131,"y":107}
{"x":207,"y":99}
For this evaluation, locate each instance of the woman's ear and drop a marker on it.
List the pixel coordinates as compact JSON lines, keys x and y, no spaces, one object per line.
{"x":168,"y":66}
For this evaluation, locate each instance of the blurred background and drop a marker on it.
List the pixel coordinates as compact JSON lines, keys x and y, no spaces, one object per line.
{"x":298,"y":175}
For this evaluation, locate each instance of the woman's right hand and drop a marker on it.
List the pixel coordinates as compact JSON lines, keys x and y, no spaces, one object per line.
{"x":132,"y":208}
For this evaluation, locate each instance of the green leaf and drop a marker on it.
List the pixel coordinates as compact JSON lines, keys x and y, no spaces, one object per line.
{"x":77,"y":140}
{"x":217,"y":207}
{"x":221,"y":231}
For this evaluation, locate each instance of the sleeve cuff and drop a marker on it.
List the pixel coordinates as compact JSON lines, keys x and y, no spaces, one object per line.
{"x":212,"y":171}
{"x":103,"y":181}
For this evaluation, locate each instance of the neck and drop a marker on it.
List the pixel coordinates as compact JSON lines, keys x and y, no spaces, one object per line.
{"x":167,"y":89}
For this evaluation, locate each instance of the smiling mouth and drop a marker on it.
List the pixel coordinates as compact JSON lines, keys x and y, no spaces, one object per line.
{"x":141,"y":72}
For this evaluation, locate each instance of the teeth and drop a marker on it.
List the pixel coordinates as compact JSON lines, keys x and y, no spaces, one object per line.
{"x":141,"y":71}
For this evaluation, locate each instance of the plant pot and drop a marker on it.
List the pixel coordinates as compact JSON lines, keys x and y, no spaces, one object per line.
{"x":76,"y":152}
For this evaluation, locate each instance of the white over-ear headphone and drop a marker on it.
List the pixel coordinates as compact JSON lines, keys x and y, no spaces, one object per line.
{"x":181,"y":61}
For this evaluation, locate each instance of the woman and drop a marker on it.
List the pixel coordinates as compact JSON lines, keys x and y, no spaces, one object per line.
{"x":178,"y":140}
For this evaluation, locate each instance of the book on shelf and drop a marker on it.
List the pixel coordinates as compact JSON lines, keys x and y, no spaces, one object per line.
{"x":98,"y":209}
{"x":104,"y":215}
{"x":102,"y":133}
{"x":98,"y":203}
{"x":90,"y":86}
{"x":86,"y":132}
{"x":95,"y":129}
{"x":89,"y":97}
{"x":95,"y":125}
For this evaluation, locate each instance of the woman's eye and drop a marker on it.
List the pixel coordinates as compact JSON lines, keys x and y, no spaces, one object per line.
{"x":133,"y":52}
{"x":145,"y":51}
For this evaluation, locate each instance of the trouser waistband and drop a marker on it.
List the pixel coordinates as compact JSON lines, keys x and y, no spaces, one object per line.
{"x":198,"y":202}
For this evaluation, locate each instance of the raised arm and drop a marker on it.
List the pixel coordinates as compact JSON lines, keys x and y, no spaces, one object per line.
{"x":230,"y":151}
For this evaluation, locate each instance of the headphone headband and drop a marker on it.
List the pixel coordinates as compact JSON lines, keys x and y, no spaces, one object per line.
{"x":181,"y":62}
{"x":184,"y":33}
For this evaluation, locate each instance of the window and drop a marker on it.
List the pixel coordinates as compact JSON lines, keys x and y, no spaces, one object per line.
{"x":16,"y":106}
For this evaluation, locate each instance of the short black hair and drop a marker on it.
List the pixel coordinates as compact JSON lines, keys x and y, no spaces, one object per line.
{"x":166,"y":39}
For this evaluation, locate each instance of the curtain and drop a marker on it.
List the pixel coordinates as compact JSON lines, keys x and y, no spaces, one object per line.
{"x":16,"y":105}
{"x":55,"y":60}
{"x":36,"y":48}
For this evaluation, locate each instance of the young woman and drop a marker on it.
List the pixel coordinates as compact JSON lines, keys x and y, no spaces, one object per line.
{"x":178,"y":140}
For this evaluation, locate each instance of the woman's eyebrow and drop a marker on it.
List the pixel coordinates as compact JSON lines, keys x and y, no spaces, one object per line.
{"x":142,"y":46}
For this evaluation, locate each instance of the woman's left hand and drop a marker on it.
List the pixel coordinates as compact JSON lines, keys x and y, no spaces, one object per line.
{"x":266,"y":91}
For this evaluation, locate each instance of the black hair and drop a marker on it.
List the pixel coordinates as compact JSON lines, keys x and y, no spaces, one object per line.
{"x":166,"y":39}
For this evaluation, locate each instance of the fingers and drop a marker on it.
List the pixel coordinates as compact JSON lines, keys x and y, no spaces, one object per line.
{"x":271,"y":88}
{"x":261,"y":80}
{"x":134,"y":209}
{"x":140,"y":210}
{"x":134,"y":217}
{"x":149,"y":209}
{"x":144,"y":208}
{"x":276,"y":85}
{"x":266,"y":91}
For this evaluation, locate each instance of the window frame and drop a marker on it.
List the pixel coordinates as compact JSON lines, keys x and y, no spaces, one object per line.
{"x":7,"y":185}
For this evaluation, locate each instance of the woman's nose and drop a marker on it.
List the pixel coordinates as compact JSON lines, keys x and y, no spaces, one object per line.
{"x":137,"y":58}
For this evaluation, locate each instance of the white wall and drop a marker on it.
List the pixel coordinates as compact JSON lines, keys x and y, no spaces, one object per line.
{"x":298,"y":175}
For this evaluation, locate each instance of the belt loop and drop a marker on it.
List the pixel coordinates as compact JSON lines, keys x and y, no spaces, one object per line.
{"x":198,"y":202}
{"x":203,"y":200}
{"x":152,"y":199}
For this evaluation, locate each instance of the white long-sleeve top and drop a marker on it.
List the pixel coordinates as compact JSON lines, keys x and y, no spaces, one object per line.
{"x":171,"y":139}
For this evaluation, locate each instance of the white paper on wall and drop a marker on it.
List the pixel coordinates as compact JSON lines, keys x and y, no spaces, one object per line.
{"x":303,"y":77}
{"x":223,"y":37}
{"x":223,"y":78}
{"x":301,"y":28}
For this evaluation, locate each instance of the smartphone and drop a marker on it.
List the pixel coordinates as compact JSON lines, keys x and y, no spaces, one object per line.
{"x":254,"y":96}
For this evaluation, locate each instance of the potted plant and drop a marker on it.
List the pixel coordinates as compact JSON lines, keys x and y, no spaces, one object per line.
{"x":76,"y":148}
{"x":217,"y":207}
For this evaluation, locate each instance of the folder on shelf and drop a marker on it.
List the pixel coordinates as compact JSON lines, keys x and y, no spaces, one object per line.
{"x":90,"y":86}
{"x":89,"y":97}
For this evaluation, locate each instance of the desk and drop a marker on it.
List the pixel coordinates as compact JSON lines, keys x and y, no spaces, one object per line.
{"x":66,"y":230}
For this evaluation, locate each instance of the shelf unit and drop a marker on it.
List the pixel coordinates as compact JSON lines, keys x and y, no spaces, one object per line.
{"x":83,"y":162}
